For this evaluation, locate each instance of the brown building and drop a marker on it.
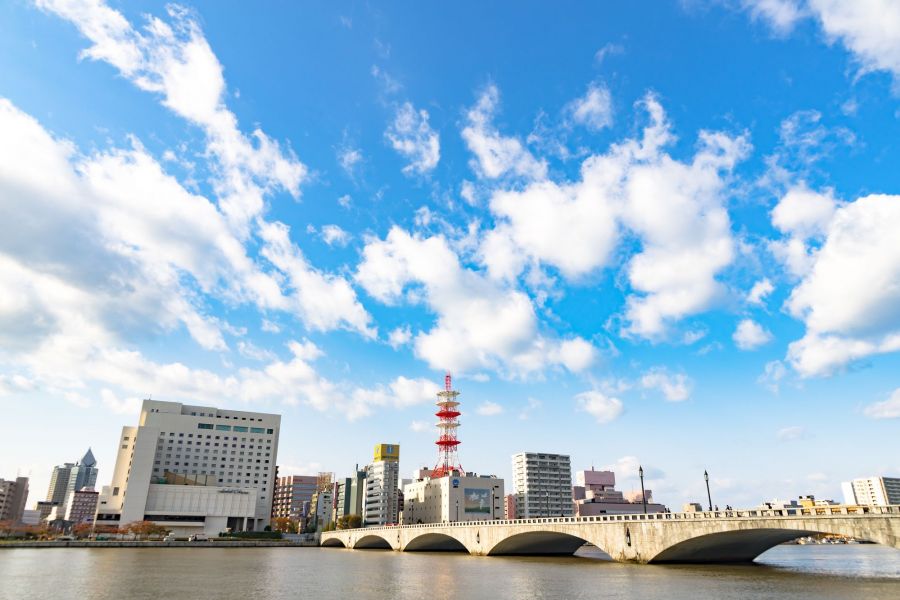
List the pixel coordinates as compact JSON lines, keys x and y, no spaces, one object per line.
{"x":291,"y":493}
{"x":13,"y":495}
{"x":82,"y":506}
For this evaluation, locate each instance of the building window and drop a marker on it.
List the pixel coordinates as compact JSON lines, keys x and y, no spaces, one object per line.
{"x":223,"y":427}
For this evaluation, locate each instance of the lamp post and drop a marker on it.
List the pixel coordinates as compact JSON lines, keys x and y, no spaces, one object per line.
{"x":643,"y":495}
{"x":708,"y":497}
{"x":457,"y":510}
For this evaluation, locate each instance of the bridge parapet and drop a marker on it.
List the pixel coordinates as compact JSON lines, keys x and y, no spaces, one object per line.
{"x":705,"y":536}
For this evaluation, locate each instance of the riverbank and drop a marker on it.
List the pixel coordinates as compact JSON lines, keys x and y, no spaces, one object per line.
{"x":157,"y":544}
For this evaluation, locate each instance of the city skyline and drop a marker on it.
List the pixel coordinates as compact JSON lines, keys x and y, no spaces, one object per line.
{"x":628,"y":252}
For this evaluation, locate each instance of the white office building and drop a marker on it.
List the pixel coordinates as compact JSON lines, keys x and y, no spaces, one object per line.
{"x":451,"y":498}
{"x":194,"y":469}
{"x":543,"y":485}
{"x":872,"y":491}
{"x":383,"y":486}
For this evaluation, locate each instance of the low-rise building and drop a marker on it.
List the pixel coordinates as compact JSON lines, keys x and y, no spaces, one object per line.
{"x":594,"y":494}
{"x":452,"y":498}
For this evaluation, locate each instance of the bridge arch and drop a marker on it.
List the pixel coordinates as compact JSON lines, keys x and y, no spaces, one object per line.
{"x":333,"y":543}
{"x":538,"y":543}
{"x":372,"y":541}
{"x":434,"y":542}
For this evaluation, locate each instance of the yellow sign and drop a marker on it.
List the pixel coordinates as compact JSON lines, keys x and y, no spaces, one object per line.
{"x":387,"y":452}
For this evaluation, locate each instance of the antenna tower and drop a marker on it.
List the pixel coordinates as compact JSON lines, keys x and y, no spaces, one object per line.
{"x":447,"y":414}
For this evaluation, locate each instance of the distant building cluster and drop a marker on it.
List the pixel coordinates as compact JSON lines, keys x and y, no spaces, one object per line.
{"x":194,"y":469}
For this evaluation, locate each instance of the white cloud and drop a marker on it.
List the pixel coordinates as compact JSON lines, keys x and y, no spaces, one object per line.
{"x":772,"y":375}
{"x":349,"y":158}
{"x":750,"y":335}
{"x":760,"y":291}
{"x":887,"y":409}
{"x":593,"y":110}
{"x":676,"y":210}
{"x":849,"y":298}
{"x":780,"y":15}
{"x":870,"y":29}
{"x":345,"y":201}
{"x":489,"y":409}
{"x":480,"y":324}
{"x":421,"y":426}
{"x":125,"y":406}
{"x":602,"y":407}
{"x":789,"y":434}
{"x":608,"y":50}
{"x":496,"y":155}
{"x":674,"y":387}
{"x":174,"y":59}
{"x":414,"y":139}
{"x":333,"y":235}
{"x":14,"y":384}
{"x":400,"y":336}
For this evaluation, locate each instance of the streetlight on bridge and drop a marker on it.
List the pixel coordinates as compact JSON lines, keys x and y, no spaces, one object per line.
{"x":643,"y":495}
{"x":708,"y":497}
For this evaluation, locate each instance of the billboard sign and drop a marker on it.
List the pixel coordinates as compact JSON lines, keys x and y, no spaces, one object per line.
{"x":477,"y":501}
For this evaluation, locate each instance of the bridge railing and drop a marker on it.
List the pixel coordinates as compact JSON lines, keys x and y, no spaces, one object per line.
{"x":753,"y":513}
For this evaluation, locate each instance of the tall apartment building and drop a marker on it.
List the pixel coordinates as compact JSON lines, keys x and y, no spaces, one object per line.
{"x":70,"y":477}
{"x":543,"y":485}
{"x":872,"y":491}
{"x":194,"y":468}
{"x":13,"y":495}
{"x":382,"y":486}
{"x":292,"y":493}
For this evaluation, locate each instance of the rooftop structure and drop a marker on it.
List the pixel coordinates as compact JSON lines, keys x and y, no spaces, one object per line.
{"x":448,"y":422}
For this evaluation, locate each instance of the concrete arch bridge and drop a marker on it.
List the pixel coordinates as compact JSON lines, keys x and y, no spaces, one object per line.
{"x":728,"y":536}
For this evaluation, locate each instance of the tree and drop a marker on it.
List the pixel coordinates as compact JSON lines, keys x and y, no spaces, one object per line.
{"x":142,"y":529}
{"x":82,"y":530}
{"x":349,"y":522}
{"x":284,"y":525}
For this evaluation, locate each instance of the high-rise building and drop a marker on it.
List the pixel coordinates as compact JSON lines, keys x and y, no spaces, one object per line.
{"x":872,"y":491}
{"x":194,"y":468}
{"x":382,"y":486}
{"x":44,"y":508}
{"x":542,"y":483}
{"x":69,"y":477}
{"x":82,"y":506}
{"x":13,"y":495}
{"x":321,"y":508}
{"x":351,"y":493}
{"x":292,"y":493}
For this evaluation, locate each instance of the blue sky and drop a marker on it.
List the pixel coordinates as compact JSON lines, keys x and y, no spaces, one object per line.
{"x":666,"y":237}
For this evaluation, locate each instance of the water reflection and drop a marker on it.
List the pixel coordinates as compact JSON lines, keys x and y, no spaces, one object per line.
{"x":800,"y":572}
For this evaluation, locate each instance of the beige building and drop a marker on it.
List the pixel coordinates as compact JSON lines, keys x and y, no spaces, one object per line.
{"x":542,"y":483}
{"x":872,"y":491}
{"x":382,"y":502}
{"x":194,"y":469}
{"x":456,"y":497}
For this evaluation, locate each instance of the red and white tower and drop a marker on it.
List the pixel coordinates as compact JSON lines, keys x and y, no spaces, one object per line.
{"x":448,"y":413}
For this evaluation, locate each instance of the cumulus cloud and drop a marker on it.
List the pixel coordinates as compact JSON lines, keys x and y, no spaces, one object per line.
{"x":480,"y":323}
{"x":497,"y":155}
{"x":414,"y":139}
{"x":849,"y":294}
{"x":593,"y":110}
{"x":400,"y":336}
{"x":760,"y":291}
{"x":676,"y":209}
{"x":772,"y":374}
{"x":333,"y":235}
{"x":489,"y":409}
{"x":675,"y":387}
{"x":602,"y":407}
{"x":750,"y":335}
{"x":887,"y":409}
{"x":780,"y":15}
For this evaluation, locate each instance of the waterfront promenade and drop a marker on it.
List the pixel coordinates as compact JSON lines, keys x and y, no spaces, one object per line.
{"x":730,"y":536}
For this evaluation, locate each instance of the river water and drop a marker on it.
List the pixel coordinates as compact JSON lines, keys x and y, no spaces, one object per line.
{"x":820,"y":572}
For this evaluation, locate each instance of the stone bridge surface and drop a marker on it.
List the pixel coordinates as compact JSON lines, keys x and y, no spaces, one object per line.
{"x":703,"y":537}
